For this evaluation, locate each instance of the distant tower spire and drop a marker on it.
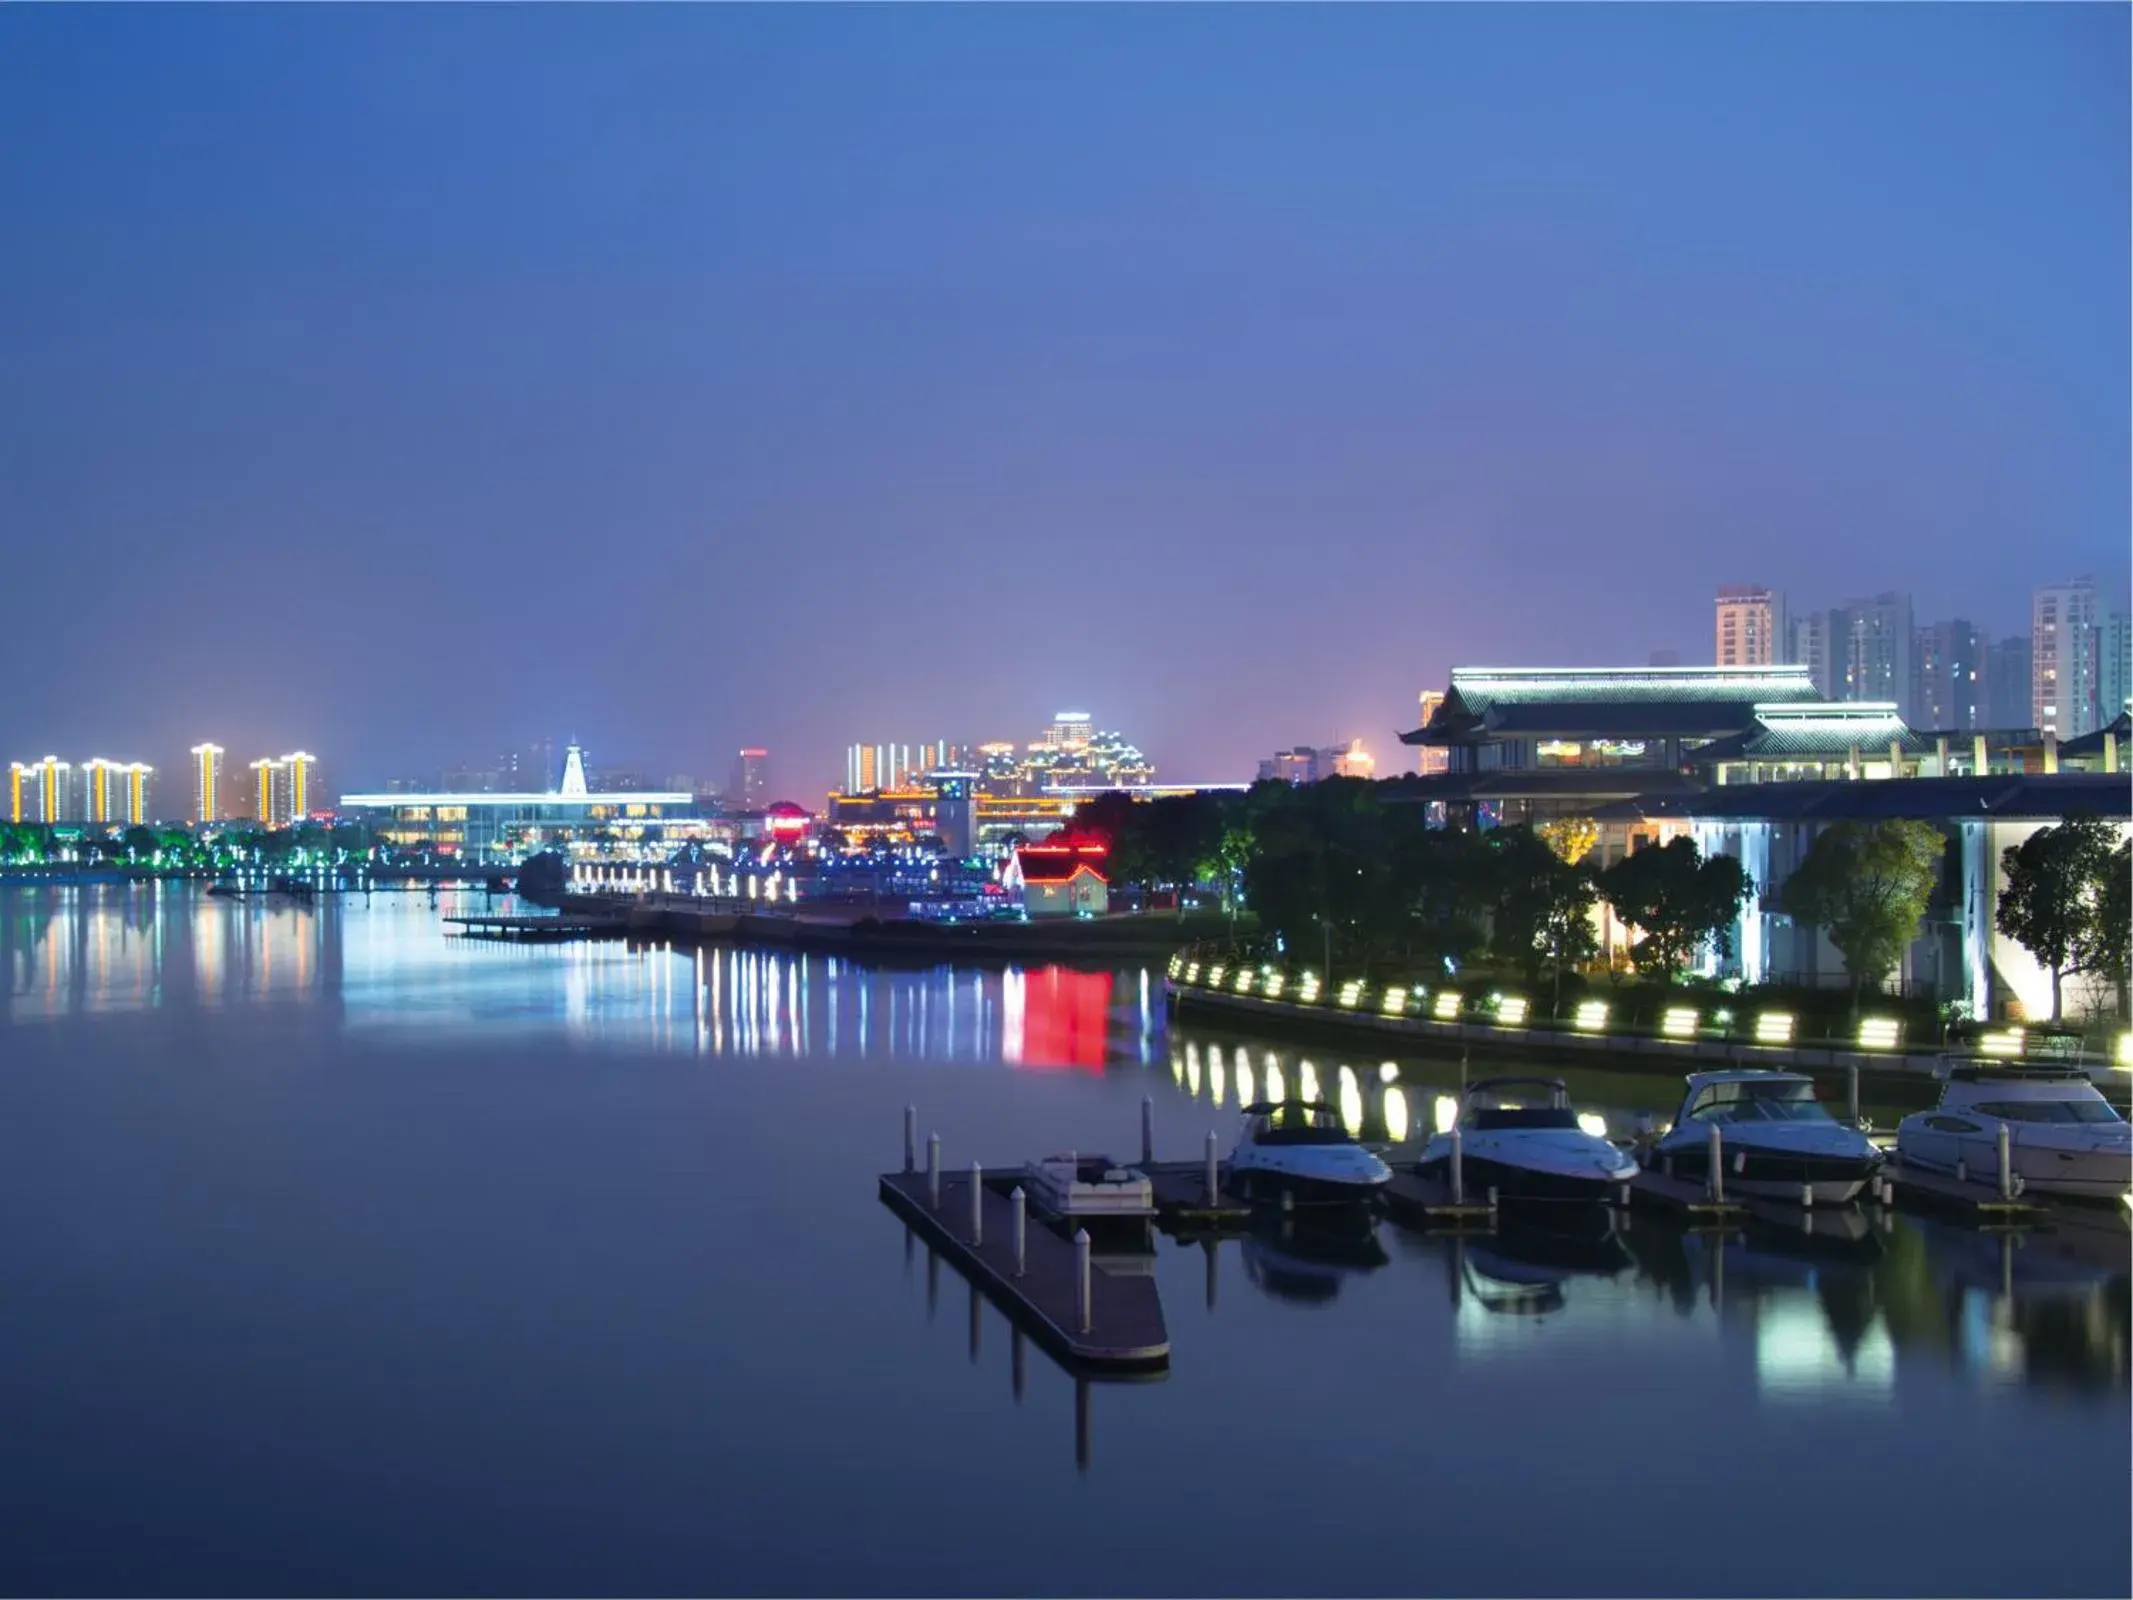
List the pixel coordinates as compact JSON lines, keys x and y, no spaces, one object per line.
{"x":574,"y":770}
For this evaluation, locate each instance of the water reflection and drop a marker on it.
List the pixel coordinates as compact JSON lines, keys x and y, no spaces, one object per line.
{"x":385,"y":963}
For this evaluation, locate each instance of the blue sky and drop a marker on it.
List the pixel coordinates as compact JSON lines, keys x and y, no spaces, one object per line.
{"x":404,"y":382}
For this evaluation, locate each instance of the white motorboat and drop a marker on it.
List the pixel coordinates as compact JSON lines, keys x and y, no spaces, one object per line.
{"x":1083,"y":1189}
{"x":2064,"y":1137}
{"x":1520,"y":1137}
{"x":1302,"y":1147}
{"x":1775,"y":1137}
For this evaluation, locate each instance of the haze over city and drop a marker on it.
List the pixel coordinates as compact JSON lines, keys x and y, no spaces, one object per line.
{"x":684,"y":378}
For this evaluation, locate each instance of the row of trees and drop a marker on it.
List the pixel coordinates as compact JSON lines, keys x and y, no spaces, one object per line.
{"x":1331,"y":870}
{"x":179,"y":849}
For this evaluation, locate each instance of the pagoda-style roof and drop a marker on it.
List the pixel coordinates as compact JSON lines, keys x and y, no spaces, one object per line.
{"x":1817,"y":731}
{"x":2091,"y":744}
{"x":2023,"y":796}
{"x":1485,"y":704}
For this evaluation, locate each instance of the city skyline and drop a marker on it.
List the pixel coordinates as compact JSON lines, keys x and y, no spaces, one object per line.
{"x":1386,"y":351}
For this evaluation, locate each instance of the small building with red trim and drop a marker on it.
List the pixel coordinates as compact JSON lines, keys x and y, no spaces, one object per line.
{"x":1063,"y":879}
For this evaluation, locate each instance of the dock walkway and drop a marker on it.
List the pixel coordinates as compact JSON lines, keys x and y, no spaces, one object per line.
{"x":539,"y":928}
{"x":1125,"y":1327}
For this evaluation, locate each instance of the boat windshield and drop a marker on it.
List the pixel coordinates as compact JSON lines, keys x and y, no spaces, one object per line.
{"x":2097,"y":1110}
{"x":1787,"y":1100}
{"x":1521,"y":1117}
{"x":1299,"y":1124}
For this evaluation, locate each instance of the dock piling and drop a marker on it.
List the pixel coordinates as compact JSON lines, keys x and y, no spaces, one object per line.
{"x":1084,"y":1304}
{"x":1147,"y":1129}
{"x":1807,"y":1197}
{"x":1458,"y":1171}
{"x":933,"y":1170}
{"x":910,"y":1138}
{"x":977,"y":1204}
{"x":1851,"y":1094}
{"x":1021,"y":1204}
{"x":1492,"y":1201}
{"x":1716,"y":1147}
{"x":1214,"y":1170}
{"x":2006,"y":1164}
{"x":1962,"y":1170}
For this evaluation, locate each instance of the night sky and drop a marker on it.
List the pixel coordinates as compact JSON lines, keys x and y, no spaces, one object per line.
{"x":405,"y":383}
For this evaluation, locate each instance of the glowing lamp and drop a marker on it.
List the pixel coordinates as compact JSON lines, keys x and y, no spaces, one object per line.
{"x":1774,"y":1027}
{"x":1679,"y":1022}
{"x":2008,"y":1043}
{"x":1447,"y":1006}
{"x":1395,"y":1001}
{"x":1511,"y":1010}
{"x":1879,"y":1033}
{"x":1591,"y":1016}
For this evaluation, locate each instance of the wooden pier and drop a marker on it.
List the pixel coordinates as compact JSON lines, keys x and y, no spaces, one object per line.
{"x":1032,"y":1274}
{"x":538,"y":929}
{"x":1182,"y":1200}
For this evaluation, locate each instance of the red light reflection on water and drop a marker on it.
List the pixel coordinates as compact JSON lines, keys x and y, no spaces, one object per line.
{"x":1061,"y":1020}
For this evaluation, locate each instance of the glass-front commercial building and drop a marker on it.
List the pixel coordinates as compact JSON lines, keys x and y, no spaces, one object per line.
{"x":502,"y":829}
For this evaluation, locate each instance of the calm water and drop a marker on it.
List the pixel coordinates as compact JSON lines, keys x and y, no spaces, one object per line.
{"x":343,"y":1257}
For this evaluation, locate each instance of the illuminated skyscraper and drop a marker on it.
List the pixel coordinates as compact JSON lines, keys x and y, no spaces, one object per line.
{"x":46,"y":781}
{"x":300,"y":766}
{"x":99,"y":789}
{"x":270,"y":792}
{"x":135,"y":810}
{"x":207,"y":782}
{"x":1070,"y":730}
{"x":19,"y":784}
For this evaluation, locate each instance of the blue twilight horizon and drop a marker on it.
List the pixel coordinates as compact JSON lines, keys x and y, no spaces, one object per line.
{"x":409,"y":383}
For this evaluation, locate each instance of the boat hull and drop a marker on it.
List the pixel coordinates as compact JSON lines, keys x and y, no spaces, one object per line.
{"x":2084,"y":1175}
{"x":1775,"y":1174}
{"x":1515,"y":1183}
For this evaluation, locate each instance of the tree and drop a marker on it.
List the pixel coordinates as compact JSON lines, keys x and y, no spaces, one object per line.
{"x":140,"y":843}
{"x":1572,"y":838}
{"x":2053,"y":900}
{"x":1543,"y":904}
{"x":1678,"y":900}
{"x":1866,"y":885}
{"x":2114,"y":926}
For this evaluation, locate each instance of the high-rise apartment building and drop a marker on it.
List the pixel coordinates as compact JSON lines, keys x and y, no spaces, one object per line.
{"x":134,"y":810}
{"x":2007,"y":699}
{"x":41,"y":791}
{"x":2114,"y":668}
{"x":270,"y":793}
{"x":101,"y":789}
{"x":302,"y":782}
{"x":1751,"y":626}
{"x":750,"y":789}
{"x":1949,"y":677}
{"x":1809,"y":647}
{"x":1070,"y":730}
{"x":207,"y":782}
{"x":19,"y":784}
{"x":1877,"y":635}
{"x":2063,"y":624}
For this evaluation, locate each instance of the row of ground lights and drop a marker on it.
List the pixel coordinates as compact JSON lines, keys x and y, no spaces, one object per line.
{"x":1590,"y":1016}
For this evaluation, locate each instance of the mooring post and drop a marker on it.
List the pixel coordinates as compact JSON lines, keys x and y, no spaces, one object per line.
{"x":1962,"y":1170}
{"x":1458,"y":1171}
{"x":2006,"y":1164}
{"x":1214,"y":1171}
{"x":1851,"y":1093}
{"x":910,"y":1138}
{"x":977,"y":1204}
{"x":1807,"y":1197}
{"x":933,"y":1170}
{"x":1492,"y":1202}
{"x":1021,"y":1205}
{"x":1717,"y":1186}
{"x":1147,"y":1129}
{"x":1083,"y":1307}
{"x":1622,"y":1197}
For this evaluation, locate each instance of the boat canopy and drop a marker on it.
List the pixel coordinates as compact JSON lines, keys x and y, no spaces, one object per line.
{"x":1727,"y":1098}
{"x":1295,"y":1122}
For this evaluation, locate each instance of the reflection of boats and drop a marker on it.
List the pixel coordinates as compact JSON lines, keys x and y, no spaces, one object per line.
{"x":1302,"y":1147}
{"x":2025,"y":1266}
{"x":1090,"y":1191}
{"x":1526,"y":1151}
{"x":1522,"y":1268}
{"x":1308,"y":1260}
{"x":1776,"y":1137}
{"x":2063,"y":1136}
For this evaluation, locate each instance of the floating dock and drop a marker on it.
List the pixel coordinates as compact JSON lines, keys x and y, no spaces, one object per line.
{"x":539,"y":929}
{"x":1412,"y":1198}
{"x":1033,"y":1274}
{"x":1677,"y":1195}
{"x":1981,"y":1202}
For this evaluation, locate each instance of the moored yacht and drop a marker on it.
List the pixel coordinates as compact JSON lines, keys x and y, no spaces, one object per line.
{"x":2064,"y":1137}
{"x":1775,"y":1138}
{"x":1302,"y":1147}
{"x":1520,"y":1137}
